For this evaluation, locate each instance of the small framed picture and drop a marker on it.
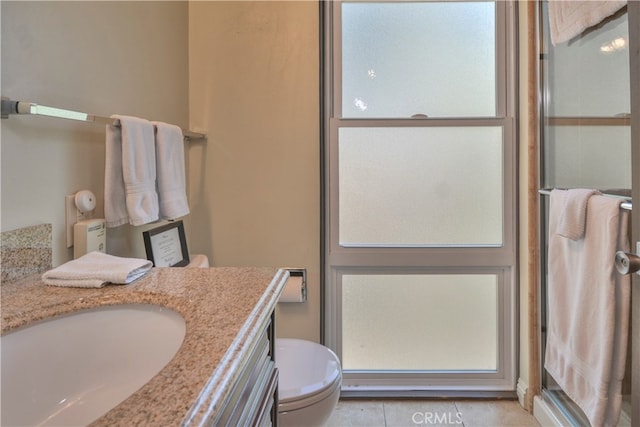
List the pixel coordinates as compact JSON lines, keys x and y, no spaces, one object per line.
{"x":166,"y":245}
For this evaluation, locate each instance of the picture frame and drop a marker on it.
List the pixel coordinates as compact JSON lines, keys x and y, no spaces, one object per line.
{"x":166,"y":246}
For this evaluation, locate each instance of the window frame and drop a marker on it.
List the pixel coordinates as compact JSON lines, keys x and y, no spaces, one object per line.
{"x":500,"y":260}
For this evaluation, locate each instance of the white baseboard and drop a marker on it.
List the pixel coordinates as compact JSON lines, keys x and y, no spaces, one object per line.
{"x":522,"y":389}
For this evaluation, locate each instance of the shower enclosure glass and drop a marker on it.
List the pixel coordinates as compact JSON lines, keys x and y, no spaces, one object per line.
{"x":585,"y":139}
{"x":586,"y":109}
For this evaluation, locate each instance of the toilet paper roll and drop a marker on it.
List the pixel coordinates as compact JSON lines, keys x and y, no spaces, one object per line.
{"x":293,"y":290}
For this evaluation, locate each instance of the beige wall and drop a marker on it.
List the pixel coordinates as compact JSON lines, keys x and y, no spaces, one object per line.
{"x":252,"y":84}
{"x":97,"y":57}
{"x":255,"y":185}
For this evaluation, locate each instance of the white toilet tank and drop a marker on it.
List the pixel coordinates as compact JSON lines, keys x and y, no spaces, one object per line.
{"x":198,"y":261}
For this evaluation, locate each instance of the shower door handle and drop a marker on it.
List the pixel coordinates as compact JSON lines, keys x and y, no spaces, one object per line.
{"x":627,"y":263}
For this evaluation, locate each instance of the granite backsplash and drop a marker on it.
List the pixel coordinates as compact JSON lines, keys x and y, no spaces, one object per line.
{"x":25,"y":251}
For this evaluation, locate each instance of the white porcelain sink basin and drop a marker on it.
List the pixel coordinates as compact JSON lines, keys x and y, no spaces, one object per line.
{"x":72,"y":369}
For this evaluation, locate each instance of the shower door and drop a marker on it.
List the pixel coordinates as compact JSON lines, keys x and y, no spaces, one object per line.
{"x":634,"y":47}
{"x":591,"y":139}
{"x":634,"y":342}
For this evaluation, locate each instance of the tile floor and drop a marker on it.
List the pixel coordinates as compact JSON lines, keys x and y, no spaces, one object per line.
{"x":465,"y":413}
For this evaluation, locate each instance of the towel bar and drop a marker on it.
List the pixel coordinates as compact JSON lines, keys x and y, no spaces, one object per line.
{"x":627,"y":205}
{"x":23,"y":107}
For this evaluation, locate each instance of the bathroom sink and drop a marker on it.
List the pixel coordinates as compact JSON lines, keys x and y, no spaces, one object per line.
{"x":72,"y":369}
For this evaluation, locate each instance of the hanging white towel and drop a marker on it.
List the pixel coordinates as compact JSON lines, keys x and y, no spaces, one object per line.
{"x":574,"y":213}
{"x":115,"y":206}
{"x":588,"y":308}
{"x":96,"y":269}
{"x":172,"y":194}
{"x":130,"y":164}
{"x":569,"y":18}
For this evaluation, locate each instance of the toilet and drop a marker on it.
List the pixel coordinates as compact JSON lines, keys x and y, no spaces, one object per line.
{"x":309,"y":377}
{"x":309,"y":382}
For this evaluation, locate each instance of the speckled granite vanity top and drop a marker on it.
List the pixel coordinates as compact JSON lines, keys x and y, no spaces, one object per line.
{"x":222,"y":308}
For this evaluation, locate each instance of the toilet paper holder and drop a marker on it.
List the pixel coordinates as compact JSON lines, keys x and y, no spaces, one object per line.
{"x":297,"y":273}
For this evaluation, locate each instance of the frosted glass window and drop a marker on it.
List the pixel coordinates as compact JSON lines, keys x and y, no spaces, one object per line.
{"x":420,"y":186}
{"x":448,"y":322}
{"x":402,"y":59}
{"x":420,"y":215}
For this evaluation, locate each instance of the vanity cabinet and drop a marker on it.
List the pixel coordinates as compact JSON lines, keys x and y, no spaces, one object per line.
{"x":253,"y":400}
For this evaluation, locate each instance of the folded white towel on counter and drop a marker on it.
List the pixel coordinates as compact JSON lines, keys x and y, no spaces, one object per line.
{"x":569,"y":18}
{"x":170,"y":173}
{"x":130,"y":164}
{"x":573,"y":219}
{"x":96,"y":269}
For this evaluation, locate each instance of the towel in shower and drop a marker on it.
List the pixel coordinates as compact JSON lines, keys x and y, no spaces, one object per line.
{"x":588,"y":320}
{"x":96,"y":269}
{"x":172,"y":194}
{"x":574,"y":213}
{"x":130,"y":173}
{"x":569,"y":18}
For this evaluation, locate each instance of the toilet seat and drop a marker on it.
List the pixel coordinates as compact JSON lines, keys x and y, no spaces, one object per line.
{"x":308,"y":373}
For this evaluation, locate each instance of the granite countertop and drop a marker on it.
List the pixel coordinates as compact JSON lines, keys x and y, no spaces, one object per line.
{"x":222,"y":307}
